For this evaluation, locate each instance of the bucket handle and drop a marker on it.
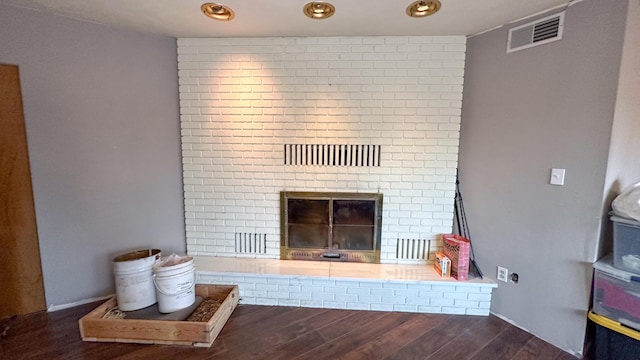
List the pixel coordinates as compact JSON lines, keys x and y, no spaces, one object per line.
{"x":167,"y":294}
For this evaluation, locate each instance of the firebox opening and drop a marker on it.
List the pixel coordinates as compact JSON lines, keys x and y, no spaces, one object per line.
{"x":330,"y":226}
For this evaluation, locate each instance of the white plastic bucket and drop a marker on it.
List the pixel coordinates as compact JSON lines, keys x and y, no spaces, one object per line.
{"x":175,"y":281}
{"x":134,"y":279}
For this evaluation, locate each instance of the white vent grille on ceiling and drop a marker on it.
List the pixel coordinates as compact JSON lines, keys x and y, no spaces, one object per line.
{"x":541,"y":31}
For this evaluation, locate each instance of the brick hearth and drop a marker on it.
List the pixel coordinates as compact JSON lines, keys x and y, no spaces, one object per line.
{"x":337,"y":285}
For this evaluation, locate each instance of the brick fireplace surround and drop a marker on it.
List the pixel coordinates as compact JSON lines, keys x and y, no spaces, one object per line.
{"x":248,"y":102}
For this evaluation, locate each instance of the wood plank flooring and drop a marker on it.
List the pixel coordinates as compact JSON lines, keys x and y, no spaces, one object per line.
{"x":273,"y":332}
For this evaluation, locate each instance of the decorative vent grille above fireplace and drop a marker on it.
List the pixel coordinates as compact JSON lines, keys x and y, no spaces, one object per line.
{"x":332,"y":154}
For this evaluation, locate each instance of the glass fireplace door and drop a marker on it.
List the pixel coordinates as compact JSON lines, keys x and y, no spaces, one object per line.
{"x":353,"y":225}
{"x":308,"y":223}
{"x":331,"y":226}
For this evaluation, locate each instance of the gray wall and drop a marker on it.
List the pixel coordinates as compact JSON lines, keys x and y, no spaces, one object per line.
{"x":622,"y":168}
{"x":101,"y":111}
{"x":523,"y":114}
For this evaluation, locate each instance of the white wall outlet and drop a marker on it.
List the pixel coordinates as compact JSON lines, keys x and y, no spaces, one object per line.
{"x":502,"y":274}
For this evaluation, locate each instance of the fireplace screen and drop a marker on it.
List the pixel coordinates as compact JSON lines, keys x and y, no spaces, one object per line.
{"x":331,"y":226}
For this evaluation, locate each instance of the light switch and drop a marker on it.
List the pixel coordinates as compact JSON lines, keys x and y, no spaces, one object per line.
{"x":557,"y":177}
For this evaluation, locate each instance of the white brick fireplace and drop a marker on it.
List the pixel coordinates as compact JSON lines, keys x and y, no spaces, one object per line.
{"x":247,"y":103}
{"x":244,"y":100}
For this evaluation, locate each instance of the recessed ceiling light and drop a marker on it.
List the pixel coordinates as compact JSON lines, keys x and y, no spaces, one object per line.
{"x":217,"y":11}
{"x":423,"y":8}
{"x":319,"y":10}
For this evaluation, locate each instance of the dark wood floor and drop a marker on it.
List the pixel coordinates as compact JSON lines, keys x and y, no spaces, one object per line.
{"x":273,"y":332}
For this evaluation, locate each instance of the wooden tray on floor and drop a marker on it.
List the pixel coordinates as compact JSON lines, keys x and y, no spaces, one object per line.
{"x":93,"y":327}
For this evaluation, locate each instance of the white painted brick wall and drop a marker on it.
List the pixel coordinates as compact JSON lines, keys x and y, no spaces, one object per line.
{"x":242,"y":99}
{"x":380,"y":295}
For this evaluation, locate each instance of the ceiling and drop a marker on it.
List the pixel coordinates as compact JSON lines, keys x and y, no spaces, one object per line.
{"x":274,"y":18}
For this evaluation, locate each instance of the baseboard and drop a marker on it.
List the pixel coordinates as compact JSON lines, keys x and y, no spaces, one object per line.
{"x":574,"y":353}
{"x":53,"y":308}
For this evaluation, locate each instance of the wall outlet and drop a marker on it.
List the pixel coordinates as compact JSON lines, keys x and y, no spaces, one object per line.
{"x":502,"y":274}
{"x":514,"y":277}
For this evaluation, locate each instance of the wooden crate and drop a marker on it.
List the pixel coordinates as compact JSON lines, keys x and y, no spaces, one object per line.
{"x":94,"y":328}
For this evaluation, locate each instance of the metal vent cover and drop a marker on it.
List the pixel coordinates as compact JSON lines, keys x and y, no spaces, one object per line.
{"x":332,"y":154}
{"x":541,"y":31}
{"x":251,"y":243}
{"x":413,"y":249}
